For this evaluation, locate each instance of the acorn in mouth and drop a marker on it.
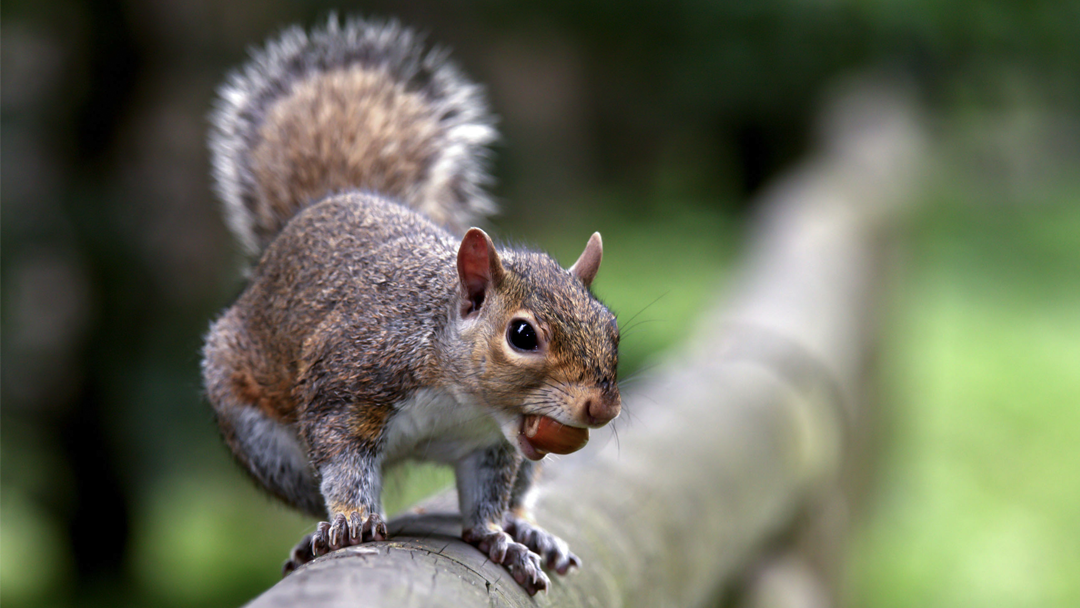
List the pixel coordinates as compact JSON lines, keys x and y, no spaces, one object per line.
{"x":541,"y":435}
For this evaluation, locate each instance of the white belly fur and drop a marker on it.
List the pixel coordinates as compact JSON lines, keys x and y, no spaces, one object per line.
{"x":434,"y":425}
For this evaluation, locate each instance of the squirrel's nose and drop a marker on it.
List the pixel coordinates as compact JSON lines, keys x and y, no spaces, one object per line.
{"x":602,"y":410}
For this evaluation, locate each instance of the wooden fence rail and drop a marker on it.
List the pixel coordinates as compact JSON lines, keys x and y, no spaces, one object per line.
{"x":731,"y":438}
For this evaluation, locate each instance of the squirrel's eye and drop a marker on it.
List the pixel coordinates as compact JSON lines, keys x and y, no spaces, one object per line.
{"x":521,"y":335}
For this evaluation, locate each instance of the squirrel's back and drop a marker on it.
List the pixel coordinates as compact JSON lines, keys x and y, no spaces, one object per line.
{"x":359,"y":106}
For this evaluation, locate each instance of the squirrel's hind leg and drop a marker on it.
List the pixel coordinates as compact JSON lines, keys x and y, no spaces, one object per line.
{"x":240,"y":385}
{"x":273,"y":454}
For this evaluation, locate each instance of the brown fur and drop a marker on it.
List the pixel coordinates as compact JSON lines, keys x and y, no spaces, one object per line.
{"x":351,"y":310}
{"x":353,"y":175}
{"x":355,"y":106}
{"x":389,"y":146}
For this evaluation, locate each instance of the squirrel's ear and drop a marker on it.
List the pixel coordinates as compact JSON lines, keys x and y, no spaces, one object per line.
{"x":586,"y":266}
{"x":478,"y":268}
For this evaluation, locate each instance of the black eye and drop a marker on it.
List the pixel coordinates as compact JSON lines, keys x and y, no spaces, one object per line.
{"x":521,"y":335}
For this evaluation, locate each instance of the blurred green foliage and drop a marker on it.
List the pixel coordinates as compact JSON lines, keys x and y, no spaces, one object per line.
{"x":655,"y":123}
{"x":977,"y":497}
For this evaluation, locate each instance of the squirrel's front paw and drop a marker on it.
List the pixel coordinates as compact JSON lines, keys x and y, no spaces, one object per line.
{"x":523,"y":564}
{"x":552,"y":549}
{"x":342,"y":531}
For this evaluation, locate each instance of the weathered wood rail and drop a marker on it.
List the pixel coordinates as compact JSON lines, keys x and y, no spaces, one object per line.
{"x":730,"y":440}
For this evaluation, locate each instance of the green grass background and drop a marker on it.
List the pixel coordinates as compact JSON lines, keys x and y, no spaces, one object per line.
{"x":977,"y":501}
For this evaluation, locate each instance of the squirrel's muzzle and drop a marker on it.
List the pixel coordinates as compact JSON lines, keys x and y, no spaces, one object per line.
{"x":602,"y":409}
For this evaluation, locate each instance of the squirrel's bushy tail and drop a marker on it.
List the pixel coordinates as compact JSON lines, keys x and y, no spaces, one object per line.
{"x":356,"y":106}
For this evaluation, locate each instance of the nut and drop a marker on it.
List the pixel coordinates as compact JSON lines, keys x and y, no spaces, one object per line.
{"x":550,"y":435}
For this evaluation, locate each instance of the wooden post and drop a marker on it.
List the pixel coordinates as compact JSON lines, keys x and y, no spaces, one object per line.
{"x":726,"y":442}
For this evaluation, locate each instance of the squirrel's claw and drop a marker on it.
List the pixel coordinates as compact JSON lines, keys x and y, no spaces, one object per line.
{"x":329,"y":536}
{"x":552,"y":549}
{"x":320,"y":539}
{"x":340,"y":533}
{"x":374,"y":528}
{"x":524,"y":566}
{"x":500,"y":547}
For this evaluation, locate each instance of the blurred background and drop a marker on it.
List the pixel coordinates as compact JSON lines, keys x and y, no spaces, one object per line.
{"x":656,"y":123}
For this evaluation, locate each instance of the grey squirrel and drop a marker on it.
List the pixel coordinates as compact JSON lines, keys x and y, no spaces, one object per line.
{"x":374,"y":328}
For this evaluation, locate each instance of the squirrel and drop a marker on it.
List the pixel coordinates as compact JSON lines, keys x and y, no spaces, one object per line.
{"x":374,"y":328}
